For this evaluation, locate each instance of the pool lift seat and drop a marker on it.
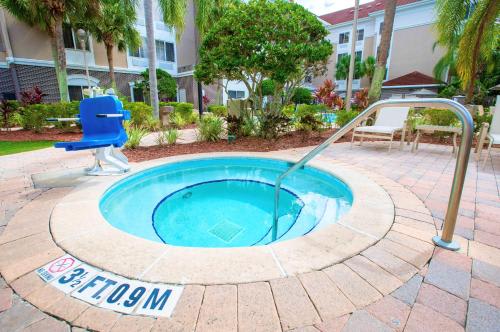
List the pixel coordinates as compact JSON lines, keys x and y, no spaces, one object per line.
{"x":101,"y":119}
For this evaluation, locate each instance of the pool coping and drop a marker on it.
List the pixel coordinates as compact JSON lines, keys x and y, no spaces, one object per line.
{"x":78,"y":228}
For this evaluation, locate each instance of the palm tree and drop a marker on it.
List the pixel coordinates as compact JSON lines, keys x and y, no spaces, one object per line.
{"x":469,"y":31}
{"x":113,"y":27}
{"x":48,"y":16}
{"x":383,"y":51}
{"x":369,"y":67}
{"x":342,"y":68}
{"x":173,"y":12}
{"x":173,"y":15}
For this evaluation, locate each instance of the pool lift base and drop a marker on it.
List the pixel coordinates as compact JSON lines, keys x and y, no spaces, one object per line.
{"x":117,"y":161}
{"x":454,"y":246}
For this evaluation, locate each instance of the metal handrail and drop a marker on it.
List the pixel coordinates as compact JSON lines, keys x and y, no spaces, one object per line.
{"x":446,"y":239}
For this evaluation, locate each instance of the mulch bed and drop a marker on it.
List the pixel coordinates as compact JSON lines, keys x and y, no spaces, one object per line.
{"x":51,"y":134}
{"x":254,"y":144}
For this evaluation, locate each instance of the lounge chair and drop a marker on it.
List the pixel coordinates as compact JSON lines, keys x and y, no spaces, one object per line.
{"x":101,"y":119}
{"x":390,"y":120}
{"x":490,"y":134}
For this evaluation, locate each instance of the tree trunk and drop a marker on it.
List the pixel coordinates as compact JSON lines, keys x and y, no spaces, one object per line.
{"x":109,"y":54}
{"x":383,"y":53}
{"x":153,"y":84}
{"x":59,"y":56}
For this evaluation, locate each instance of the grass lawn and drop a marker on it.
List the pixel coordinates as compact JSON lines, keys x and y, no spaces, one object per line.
{"x":8,"y":147}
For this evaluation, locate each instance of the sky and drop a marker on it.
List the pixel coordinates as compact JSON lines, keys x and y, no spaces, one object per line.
{"x":320,"y":7}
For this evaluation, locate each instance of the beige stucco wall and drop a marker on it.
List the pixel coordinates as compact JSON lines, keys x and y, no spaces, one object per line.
{"x":412,"y":51}
{"x":27,"y":42}
{"x":119,"y":58}
{"x":367,"y":51}
{"x":317,"y":81}
{"x":186,"y":46}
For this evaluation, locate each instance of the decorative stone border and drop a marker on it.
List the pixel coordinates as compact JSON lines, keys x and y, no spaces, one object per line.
{"x":78,"y":227}
{"x":27,"y":244}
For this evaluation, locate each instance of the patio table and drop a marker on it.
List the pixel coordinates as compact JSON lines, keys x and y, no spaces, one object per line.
{"x":431,"y":129}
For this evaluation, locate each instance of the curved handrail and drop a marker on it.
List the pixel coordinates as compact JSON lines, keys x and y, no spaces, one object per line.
{"x":460,"y":169}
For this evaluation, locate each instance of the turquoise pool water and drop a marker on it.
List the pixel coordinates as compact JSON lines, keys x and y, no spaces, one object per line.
{"x":223,"y":202}
{"x":329,"y":117}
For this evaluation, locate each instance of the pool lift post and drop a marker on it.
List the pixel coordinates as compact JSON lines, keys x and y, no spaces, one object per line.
{"x":446,"y":239}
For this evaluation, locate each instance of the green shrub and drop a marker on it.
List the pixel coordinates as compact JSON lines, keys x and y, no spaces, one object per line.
{"x":9,"y":113}
{"x":140,"y":113}
{"x":440,"y":117}
{"x":218,"y":110}
{"x":344,"y":117}
{"x":135,"y":135}
{"x":308,"y":118}
{"x":480,"y":119}
{"x":34,"y":117}
{"x":271,"y":124}
{"x":210,"y":128}
{"x":302,"y":96}
{"x":288,"y":111}
{"x":167,"y":136}
{"x":249,"y":126}
{"x":268,"y":87}
{"x":169,"y":103}
{"x":177,"y":121}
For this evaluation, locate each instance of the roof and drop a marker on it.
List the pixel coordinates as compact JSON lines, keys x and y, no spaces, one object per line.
{"x":347,"y":15}
{"x":413,"y":78}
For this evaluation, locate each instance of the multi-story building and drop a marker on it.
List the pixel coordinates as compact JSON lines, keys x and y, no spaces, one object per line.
{"x":412,"y":55}
{"x":26,"y":59}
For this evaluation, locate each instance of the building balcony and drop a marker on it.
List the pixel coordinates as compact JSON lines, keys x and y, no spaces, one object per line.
{"x":76,"y":57}
{"x":341,"y":85}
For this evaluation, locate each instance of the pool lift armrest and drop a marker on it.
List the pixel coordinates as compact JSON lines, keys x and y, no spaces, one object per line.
{"x":75,"y":119}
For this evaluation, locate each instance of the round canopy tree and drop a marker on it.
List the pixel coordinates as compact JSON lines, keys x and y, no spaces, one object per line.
{"x":260,"y":40}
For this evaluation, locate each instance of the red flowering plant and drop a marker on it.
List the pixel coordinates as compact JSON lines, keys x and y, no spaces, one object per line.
{"x":33,"y":96}
{"x":361,"y":99}
{"x":325,"y":94}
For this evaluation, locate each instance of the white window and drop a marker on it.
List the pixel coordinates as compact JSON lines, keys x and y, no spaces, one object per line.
{"x":358,"y":55}
{"x":381,"y":27}
{"x":182,"y":96}
{"x":343,"y":37}
{"x":360,"y":34}
{"x":71,"y":40}
{"x":141,"y":51}
{"x":236,"y":94}
{"x":165,"y":51}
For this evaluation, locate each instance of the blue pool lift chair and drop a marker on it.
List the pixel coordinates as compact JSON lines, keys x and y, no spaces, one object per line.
{"x":101,"y":119}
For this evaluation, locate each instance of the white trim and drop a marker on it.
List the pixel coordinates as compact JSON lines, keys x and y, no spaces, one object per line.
{"x":403,"y":7}
{"x":410,"y":86}
{"x":378,"y":13}
{"x":185,"y":73}
{"x":413,"y":26}
{"x":50,"y":63}
{"x":4,"y":65}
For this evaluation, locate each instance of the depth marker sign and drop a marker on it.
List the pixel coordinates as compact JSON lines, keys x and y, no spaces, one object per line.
{"x":106,"y":290}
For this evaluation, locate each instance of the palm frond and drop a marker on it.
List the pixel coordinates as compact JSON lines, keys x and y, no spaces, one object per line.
{"x":479,"y":39}
{"x":174,"y":12}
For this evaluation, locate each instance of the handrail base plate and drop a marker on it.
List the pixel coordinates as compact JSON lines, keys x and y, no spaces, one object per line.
{"x":446,"y":245}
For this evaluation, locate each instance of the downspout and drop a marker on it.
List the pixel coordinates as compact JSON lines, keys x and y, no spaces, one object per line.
{"x":10,"y":54}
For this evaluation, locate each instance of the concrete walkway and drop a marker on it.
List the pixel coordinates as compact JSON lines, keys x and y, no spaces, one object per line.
{"x":185,"y":136}
{"x":457,"y":291}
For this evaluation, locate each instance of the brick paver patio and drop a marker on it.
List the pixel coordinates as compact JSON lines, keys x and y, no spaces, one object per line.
{"x":455,"y":291}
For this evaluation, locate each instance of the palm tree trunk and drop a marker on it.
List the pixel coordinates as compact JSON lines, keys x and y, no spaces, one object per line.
{"x":109,"y":54}
{"x":59,"y":56}
{"x":153,"y":84}
{"x":383,"y":53}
